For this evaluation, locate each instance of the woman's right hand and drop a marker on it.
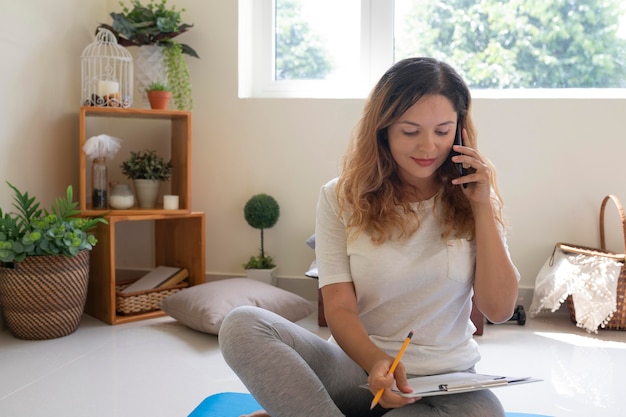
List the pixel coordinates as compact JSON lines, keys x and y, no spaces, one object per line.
{"x":379,"y":377}
{"x":340,"y":307}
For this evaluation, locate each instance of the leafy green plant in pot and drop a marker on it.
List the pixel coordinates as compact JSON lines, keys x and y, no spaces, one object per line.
{"x":159,"y":95}
{"x":44,"y":265}
{"x":156,"y":25}
{"x":261,"y":212}
{"x":147,"y":170}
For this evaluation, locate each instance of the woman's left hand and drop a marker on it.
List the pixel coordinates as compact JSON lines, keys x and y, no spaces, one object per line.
{"x":477,"y":179}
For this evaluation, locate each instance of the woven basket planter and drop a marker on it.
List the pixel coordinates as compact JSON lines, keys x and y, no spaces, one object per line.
{"x":44,"y":296}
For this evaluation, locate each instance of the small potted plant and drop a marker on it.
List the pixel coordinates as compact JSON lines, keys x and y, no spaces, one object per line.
{"x":44,"y":265}
{"x":147,"y":170}
{"x":159,"y":95}
{"x":261,"y":212}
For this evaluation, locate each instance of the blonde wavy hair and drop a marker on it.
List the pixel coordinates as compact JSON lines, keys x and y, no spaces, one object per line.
{"x":370,"y":189}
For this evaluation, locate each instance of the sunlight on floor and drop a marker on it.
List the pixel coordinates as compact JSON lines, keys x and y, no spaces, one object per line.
{"x":582,"y":341}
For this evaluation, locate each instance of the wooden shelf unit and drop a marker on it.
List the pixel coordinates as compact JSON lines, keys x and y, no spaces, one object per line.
{"x":179,"y":235}
{"x":179,"y":147}
{"x":179,"y":240}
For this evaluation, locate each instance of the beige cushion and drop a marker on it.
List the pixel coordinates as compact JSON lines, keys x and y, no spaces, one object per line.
{"x":203,"y":307}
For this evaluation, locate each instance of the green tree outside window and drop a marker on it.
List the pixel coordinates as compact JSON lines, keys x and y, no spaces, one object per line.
{"x":520,"y":43}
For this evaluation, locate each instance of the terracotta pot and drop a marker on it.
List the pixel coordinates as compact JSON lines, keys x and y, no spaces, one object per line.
{"x":159,"y":99}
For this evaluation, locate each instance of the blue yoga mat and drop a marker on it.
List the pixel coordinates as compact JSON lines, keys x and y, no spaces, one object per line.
{"x":226,"y":404}
{"x":233,"y":404}
{"x":525,"y":415}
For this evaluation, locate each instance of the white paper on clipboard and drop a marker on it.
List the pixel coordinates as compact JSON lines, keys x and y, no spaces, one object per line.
{"x":456,"y":382}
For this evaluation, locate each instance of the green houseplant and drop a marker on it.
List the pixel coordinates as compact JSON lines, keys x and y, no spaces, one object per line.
{"x":159,"y":95}
{"x":147,"y":169}
{"x":261,"y":212}
{"x":157,"y":86}
{"x":33,"y":231}
{"x":44,"y":265}
{"x":154,"y":24}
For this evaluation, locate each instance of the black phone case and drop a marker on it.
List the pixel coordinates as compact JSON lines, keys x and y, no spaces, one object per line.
{"x":458,"y":140}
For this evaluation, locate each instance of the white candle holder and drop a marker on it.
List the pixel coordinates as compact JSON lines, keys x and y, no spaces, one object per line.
{"x":170,"y":202}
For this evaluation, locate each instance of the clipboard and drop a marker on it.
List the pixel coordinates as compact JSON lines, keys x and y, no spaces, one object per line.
{"x":457,"y":382}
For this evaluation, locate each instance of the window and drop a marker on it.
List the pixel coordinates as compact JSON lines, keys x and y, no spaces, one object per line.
{"x":313,"y":48}
{"x":325,"y":48}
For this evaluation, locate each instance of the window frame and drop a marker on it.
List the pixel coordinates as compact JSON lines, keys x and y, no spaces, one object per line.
{"x":256,"y":52}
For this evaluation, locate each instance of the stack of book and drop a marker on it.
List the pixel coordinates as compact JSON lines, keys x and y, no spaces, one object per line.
{"x":160,"y":277}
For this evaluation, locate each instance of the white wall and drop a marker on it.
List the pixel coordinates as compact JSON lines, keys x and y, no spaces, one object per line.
{"x":556,"y":158}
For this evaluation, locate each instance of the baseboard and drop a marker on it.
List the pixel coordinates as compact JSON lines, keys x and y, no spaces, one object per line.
{"x":307,"y":287}
{"x":304,"y":286}
{"x":525,"y":297}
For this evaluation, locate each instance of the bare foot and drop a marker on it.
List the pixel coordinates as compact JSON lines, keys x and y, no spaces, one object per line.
{"x":259,"y":413}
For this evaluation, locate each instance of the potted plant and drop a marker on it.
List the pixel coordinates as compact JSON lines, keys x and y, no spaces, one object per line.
{"x":153,"y":27}
{"x":159,"y":95}
{"x":261,"y":212}
{"x":147,"y":170}
{"x":44,"y":265}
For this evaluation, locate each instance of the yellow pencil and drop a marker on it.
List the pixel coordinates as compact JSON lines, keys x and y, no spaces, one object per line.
{"x":395,"y":363}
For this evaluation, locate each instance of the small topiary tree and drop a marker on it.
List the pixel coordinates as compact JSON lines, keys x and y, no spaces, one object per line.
{"x":261,"y":212}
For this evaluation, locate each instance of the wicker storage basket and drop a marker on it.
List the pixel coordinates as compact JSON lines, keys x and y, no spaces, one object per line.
{"x":43,"y":297}
{"x":618,"y":321}
{"x":138,"y":302}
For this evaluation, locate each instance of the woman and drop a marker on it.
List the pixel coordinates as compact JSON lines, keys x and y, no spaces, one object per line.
{"x":402,"y":244}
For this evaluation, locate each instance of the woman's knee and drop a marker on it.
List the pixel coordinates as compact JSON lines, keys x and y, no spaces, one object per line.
{"x":471,"y":404}
{"x":237,"y":326}
{"x":238,"y":317}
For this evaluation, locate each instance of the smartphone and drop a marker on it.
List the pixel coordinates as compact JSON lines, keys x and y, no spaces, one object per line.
{"x":458,"y":140}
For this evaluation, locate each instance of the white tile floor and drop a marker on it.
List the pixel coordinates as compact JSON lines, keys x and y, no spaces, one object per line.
{"x":160,"y":368}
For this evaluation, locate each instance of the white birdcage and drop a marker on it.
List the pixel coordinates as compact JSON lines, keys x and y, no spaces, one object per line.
{"x":107,"y":73}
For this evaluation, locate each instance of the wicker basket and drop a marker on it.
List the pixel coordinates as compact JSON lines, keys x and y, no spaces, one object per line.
{"x":138,"y":302}
{"x":43,"y":297}
{"x":618,"y":321}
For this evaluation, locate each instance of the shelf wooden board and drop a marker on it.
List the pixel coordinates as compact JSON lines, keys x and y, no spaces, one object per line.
{"x":134,"y":112}
{"x":133,"y":211}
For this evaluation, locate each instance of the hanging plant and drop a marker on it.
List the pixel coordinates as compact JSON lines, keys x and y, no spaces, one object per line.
{"x":155,"y":23}
{"x":151,"y":24}
{"x":178,"y":76}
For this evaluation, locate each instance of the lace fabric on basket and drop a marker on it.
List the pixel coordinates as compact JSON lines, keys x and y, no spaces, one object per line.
{"x":591,"y":280}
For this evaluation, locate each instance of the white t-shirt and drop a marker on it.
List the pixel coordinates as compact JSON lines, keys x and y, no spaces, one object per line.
{"x":423,"y":283}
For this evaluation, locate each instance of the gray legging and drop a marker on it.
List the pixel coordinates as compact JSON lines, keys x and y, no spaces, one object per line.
{"x":292,"y":372}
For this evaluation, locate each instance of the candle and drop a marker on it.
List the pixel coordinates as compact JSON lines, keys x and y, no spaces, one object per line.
{"x":170,"y":202}
{"x":106,"y":88}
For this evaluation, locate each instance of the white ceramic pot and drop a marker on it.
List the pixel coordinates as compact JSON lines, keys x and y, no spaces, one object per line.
{"x":147,"y":192}
{"x":268,"y":276}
